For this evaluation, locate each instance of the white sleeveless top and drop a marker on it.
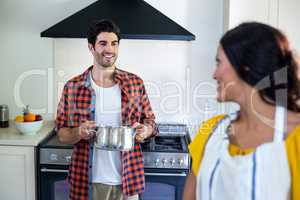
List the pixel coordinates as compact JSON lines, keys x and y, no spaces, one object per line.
{"x":261,"y":175}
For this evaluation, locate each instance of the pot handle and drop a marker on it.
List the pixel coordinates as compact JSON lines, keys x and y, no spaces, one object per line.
{"x":134,"y":135}
{"x":95,"y":132}
{"x":141,"y":142}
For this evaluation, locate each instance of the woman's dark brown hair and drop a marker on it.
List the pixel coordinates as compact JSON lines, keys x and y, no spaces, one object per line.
{"x":260,"y":54}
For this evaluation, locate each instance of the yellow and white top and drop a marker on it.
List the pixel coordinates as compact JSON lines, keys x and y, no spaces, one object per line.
{"x":244,"y":174}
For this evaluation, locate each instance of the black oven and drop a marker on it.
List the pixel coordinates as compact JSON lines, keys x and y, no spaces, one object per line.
{"x":53,"y":182}
{"x":53,"y":160}
{"x":160,"y":184}
{"x":164,"y":184}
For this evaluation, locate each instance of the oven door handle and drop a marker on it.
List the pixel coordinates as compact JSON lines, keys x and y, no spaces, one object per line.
{"x":165,"y":174}
{"x":54,"y":170}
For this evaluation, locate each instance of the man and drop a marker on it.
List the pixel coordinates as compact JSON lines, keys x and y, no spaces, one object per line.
{"x":104,"y":95}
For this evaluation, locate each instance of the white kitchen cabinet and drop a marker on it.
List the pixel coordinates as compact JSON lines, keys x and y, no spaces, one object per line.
{"x":237,"y":11}
{"x":282,"y":14}
{"x":288,"y":21}
{"x":18,"y":162}
{"x":17,"y":173}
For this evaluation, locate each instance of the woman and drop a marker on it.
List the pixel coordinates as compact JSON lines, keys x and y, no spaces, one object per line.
{"x":253,"y":154}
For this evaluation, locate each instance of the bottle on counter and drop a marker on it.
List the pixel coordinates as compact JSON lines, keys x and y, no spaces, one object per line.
{"x":4,"y":116}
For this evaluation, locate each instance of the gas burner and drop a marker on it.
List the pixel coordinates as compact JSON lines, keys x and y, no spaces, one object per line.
{"x":168,"y":144}
{"x":164,"y":148}
{"x":168,"y":141}
{"x":146,"y":146}
{"x":176,"y":144}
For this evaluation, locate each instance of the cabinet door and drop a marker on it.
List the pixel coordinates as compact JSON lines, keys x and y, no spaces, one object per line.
{"x":288,"y":21}
{"x":237,"y":11}
{"x":17,"y":180}
{"x":283,"y":14}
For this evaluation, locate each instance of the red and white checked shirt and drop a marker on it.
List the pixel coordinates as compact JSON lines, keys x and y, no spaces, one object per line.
{"x":77,"y":104}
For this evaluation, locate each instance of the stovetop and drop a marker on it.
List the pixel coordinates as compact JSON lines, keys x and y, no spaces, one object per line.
{"x":171,"y":144}
{"x":167,"y":150}
{"x":52,"y":141}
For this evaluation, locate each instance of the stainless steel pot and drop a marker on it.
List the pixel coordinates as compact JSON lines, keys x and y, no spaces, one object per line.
{"x":102,"y":136}
{"x":115,"y":138}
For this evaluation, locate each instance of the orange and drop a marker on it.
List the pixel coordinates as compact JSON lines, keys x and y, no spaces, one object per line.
{"x":29,"y":117}
{"x":19,"y":118}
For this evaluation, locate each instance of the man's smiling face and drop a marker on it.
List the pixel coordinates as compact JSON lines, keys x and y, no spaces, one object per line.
{"x":105,"y":49}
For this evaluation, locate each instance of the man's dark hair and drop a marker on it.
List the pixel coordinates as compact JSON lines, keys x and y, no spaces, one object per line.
{"x":100,"y":26}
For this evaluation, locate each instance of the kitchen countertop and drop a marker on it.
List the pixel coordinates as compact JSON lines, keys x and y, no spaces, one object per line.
{"x":11,"y":136}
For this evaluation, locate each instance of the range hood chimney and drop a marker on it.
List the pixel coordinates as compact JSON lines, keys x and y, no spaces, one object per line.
{"x":136,"y":19}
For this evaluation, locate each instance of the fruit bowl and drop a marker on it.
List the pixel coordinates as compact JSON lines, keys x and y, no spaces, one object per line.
{"x":29,"y":128}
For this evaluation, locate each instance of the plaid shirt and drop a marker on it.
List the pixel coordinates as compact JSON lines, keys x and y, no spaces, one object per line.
{"x":77,"y":104}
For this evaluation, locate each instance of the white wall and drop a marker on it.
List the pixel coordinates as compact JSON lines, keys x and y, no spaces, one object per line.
{"x":23,"y":50}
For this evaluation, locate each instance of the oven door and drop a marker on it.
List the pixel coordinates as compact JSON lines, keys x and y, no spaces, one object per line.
{"x":164,"y":184}
{"x":53,"y":182}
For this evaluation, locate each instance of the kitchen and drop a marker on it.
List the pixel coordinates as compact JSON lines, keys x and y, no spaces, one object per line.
{"x":24,"y":50}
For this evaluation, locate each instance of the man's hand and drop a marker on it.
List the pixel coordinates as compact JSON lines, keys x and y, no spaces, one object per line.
{"x":142,"y":131}
{"x":86,"y":130}
{"x":74,"y":135}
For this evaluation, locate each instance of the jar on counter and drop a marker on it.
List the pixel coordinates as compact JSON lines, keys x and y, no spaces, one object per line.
{"x":4,"y":116}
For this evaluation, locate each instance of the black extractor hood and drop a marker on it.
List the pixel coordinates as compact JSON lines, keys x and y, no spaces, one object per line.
{"x":136,"y":19}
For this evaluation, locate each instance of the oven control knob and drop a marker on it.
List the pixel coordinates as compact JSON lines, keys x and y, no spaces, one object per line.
{"x":164,"y":161}
{"x":53,"y":157}
{"x":180,"y":161}
{"x":68,"y":159}
{"x":156,"y":162}
{"x":172,"y":161}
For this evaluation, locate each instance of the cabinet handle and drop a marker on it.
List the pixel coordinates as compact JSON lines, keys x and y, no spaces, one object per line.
{"x":54,"y":170}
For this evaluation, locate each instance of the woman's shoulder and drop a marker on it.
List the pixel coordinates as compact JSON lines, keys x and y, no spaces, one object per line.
{"x":210,"y":124}
{"x":292,"y":144}
{"x":196,"y":148}
{"x":293,"y":127}
{"x":294,"y":136}
{"x":207,"y":127}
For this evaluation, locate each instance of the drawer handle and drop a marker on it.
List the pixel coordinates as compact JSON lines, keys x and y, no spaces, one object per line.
{"x":54,"y":170}
{"x":165,"y":174}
